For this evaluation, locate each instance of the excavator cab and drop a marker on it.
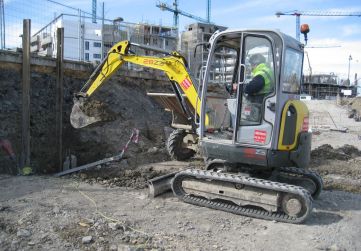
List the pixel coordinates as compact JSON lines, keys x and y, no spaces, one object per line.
{"x":267,"y":128}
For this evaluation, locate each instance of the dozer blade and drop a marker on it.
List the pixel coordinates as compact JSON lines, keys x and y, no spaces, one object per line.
{"x":86,"y":112}
{"x":161,"y":184}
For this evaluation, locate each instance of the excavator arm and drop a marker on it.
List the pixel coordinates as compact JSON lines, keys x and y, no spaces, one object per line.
{"x":173,"y":65}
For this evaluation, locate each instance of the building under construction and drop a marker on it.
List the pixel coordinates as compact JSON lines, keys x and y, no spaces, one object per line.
{"x":327,"y":86}
{"x":194,"y":34}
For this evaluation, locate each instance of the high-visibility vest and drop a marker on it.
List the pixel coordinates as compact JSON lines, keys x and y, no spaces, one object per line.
{"x":267,"y":74}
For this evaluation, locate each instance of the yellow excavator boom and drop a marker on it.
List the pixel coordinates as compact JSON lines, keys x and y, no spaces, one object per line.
{"x":173,"y":65}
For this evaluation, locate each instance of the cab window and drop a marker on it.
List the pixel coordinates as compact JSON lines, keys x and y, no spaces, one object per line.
{"x":292,"y":71}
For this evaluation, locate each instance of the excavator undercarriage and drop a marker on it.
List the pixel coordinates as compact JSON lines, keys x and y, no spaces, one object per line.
{"x":243,"y":195}
{"x":284,"y":195}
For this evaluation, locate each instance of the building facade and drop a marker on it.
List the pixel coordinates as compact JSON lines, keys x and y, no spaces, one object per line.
{"x":87,"y":41}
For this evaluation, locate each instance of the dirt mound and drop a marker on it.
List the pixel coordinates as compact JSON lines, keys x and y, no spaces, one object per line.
{"x":340,"y":167}
{"x":327,"y":152}
{"x":356,"y":104}
{"x":128,"y":107}
{"x":118,"y":174}
{"x":135,"y":178}
{"x":355,"y":109}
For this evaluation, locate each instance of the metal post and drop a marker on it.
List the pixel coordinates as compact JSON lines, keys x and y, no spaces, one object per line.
{"x":25,"y":133}
{"x":79,"y":35}
{"x":2,"y":25}
{"x":103,"y":16}
{"x":298,"y":26}
{"x":175,"y":15}
{"x":82,"y":41}
{"x":349,"y":64}
{"x":113,"y":33}
{"x":59,"y":96}
{"x":209,"y":11}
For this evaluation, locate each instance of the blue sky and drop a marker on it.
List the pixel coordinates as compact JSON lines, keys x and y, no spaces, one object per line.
{"x":325,"y":31}
{"x":342,"y":32}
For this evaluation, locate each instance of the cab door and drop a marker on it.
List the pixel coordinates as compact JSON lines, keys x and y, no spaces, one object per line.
{"x":256,"y":107}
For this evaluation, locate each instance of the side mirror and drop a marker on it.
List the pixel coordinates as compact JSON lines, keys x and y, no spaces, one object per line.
{"x":304,"y":30}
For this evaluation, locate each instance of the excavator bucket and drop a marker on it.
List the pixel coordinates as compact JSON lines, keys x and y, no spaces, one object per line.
{"x":86,"y":112}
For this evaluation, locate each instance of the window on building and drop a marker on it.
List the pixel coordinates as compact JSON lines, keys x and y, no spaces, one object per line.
{"x":95,"y":55}
{"x":86,"y":45}
{"x":97,"y":44}
{"x":87,"y":56}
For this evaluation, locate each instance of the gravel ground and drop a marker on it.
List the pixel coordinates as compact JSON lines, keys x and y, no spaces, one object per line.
{"x":43,"y":213}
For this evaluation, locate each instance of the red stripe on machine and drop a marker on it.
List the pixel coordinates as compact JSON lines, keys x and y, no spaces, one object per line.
{"x":186,"y":83}
{"x":253,"y":153}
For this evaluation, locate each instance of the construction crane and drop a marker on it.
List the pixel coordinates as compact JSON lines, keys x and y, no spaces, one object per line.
{"x":298,"y":14}
{"x":163,"y":6}
{"x":94,"y":11}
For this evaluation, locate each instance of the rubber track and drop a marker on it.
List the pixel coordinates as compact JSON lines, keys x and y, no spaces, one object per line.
{"x":314,"y":176}
{"x":236,"y":209}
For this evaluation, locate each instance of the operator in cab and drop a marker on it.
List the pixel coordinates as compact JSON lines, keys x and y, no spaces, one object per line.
{"x":261,"y":82}
{"x":260,"y":85}
{"x":262,"y":79}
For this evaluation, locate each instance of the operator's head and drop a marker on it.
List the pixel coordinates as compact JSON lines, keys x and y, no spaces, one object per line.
{"x":256,"y":59}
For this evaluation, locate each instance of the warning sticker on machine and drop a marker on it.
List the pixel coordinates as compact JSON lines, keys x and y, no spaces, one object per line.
{"x":247,"y":110}
{"x":260,"y":136}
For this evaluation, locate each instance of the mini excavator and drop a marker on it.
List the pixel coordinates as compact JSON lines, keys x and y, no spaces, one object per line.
{"x":256,"y":147}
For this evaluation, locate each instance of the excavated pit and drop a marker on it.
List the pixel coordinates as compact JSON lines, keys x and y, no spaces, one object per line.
{"x":122,"y":100}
